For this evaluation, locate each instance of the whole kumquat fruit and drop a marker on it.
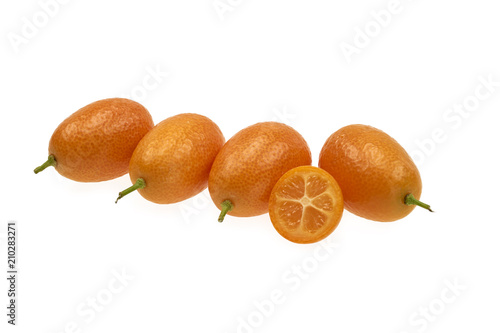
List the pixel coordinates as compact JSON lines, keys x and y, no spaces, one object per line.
{"x":378,"y":178}
{"x":172,"y":161}
{"x":306,"y":205}
{"x":249,"y":165}
{"x":96,"y":142}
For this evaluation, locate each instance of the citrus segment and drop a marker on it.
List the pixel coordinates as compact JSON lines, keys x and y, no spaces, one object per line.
{"x":294,"y":189}
{"x":290,"y":213}
{"x":313,"y":219}
{"x":315,"y":186}
{"x":323,"y":202}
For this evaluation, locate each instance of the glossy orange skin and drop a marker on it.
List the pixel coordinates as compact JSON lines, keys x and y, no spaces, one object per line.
{"x":175,"y":158}
{"x":96,"y":142}
{"x":374,"y":172}
{"x":250,"y":164}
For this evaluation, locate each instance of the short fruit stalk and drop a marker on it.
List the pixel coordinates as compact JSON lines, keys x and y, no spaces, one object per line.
{"x":410,"y":200}
{"x":51,"y":161}
{"x":226,"y":207}
{"x":140,"y":183}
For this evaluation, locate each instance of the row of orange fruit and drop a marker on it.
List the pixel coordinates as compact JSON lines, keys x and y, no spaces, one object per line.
{"x":263,"y":168}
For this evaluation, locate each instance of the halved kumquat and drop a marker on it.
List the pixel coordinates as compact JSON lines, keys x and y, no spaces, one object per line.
{"x":306,"y":205}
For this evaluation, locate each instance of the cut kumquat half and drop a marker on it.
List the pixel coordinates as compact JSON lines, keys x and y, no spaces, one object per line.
{"x":306,"y":205}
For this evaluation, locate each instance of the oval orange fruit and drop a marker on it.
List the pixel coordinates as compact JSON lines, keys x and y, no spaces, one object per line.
{"x":96,"y":142}
{"x":306,"y":205}
{"x":249,"y":165}
{"x":378,"y":178}
{"x":172,"y":161}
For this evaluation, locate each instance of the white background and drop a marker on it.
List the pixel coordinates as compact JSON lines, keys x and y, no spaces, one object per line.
{"x":259,"y":61}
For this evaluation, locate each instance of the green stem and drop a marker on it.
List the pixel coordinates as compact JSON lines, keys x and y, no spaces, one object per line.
{"x":226,"y":206}
{"x":139,"y":183}
{"x":410,"y":200}
{"x":51,"y":161}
